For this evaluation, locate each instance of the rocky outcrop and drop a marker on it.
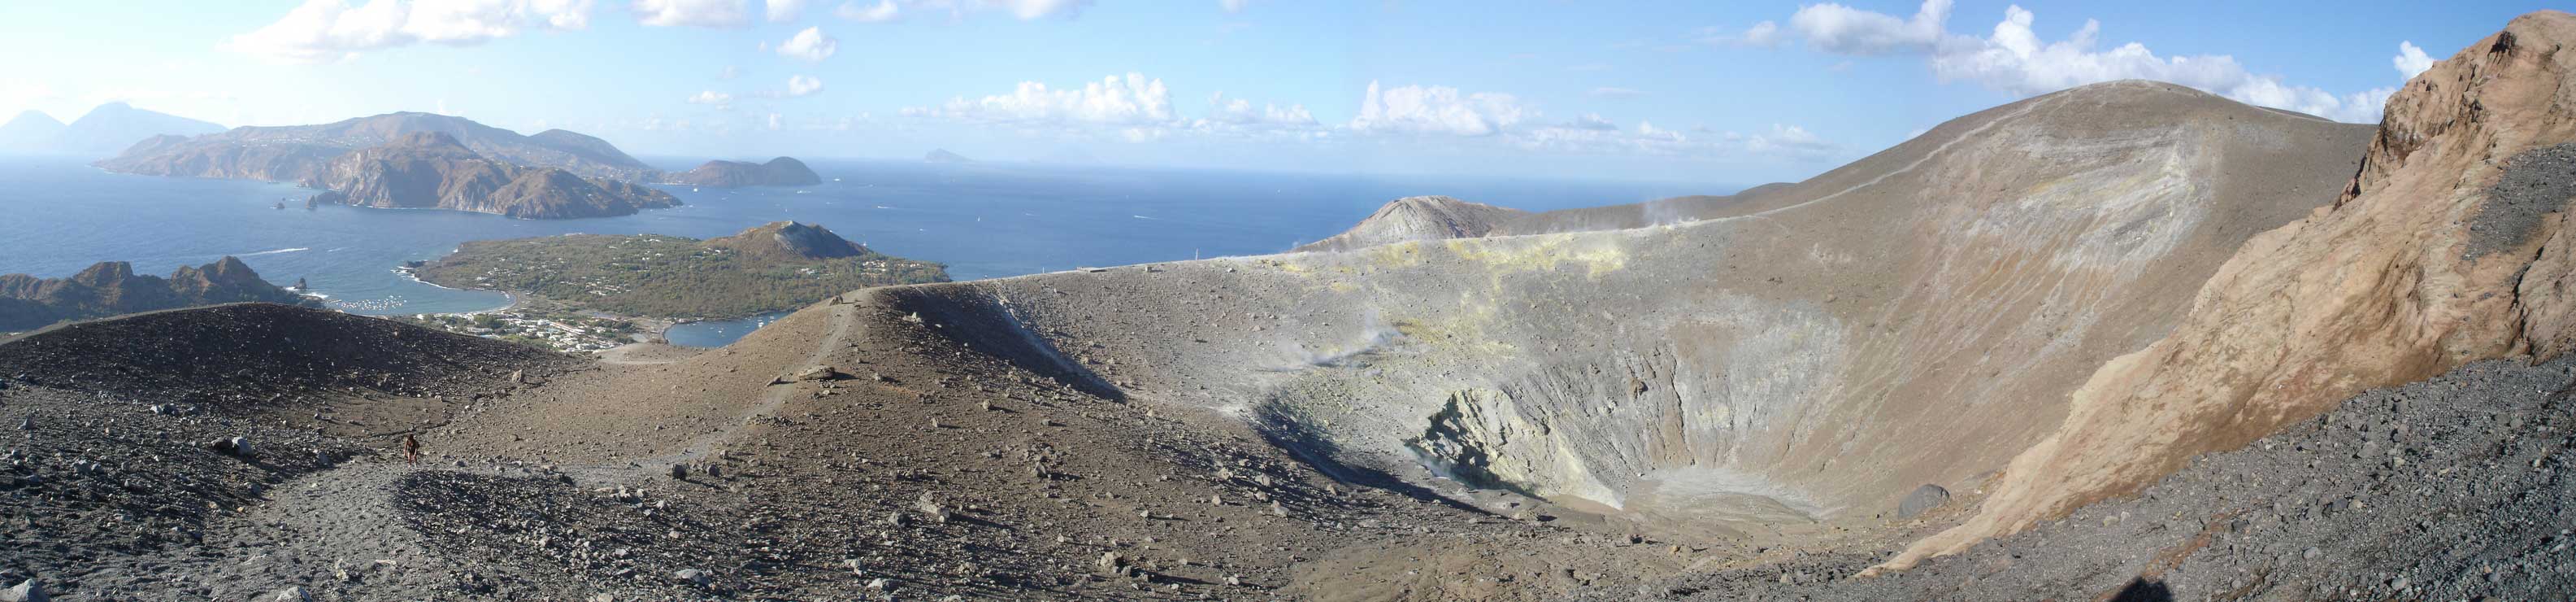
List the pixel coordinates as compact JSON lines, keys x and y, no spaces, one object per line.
{"x":1420,"y":218}
{"x":2387,"y":286}
{"x":297,"y":153}
{"x":789,"y":241}
{"x":431,"y":170}
{"x":111,"y":288}
{"x":782,"y":171}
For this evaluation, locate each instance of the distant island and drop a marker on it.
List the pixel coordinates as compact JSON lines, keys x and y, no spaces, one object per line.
{"x":941,"y":155}
{"x":782,"y":171}
{"x":104,"y":130}
{"x":111,"y":288}
{"x":432,"y":170}
{"x":774,"y":267}
{"x":302,"y":152}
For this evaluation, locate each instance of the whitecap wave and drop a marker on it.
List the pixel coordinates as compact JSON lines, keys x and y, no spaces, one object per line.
{"x":273,"y":252}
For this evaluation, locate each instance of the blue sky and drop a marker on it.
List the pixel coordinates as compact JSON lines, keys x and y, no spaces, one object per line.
{"x":1723,"y":93}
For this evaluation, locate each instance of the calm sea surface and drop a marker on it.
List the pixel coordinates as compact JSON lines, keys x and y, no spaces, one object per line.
{"x":982,"y":220}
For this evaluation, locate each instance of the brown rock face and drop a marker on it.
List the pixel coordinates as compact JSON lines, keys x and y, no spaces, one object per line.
{"x":782,"y":171}
{"x":429,"y":170}
{"x":112,"y":287}
{"x":2422,"y":266}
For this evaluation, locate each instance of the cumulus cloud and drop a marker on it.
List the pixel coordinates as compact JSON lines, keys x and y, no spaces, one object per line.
{"x":882,"y":11}
{"x":693,"y":13}
{"x":800,"y":85}
{"x":1842,"y":29}
{"x":2411,"y":61}
{"x":2013,"y":59}
{"x":1114,"y":100}
{"x":1592,"y":121}
{"x":784,"y":11}
{"x":810,"y":45}
{"x":323,"y":31}
{"x":1241,"y":112}
{"x":1436,"y":110}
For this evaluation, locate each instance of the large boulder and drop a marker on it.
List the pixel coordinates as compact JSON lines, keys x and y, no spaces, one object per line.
{"x":1922,"y":500}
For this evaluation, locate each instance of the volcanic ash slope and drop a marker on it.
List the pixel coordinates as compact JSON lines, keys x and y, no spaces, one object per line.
{"x":1806,"y":353}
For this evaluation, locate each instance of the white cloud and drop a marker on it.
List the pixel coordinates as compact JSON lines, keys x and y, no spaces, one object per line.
{"x":1233,"y":6}
{"x":1129,"y":100}
{"x":774,"y":122}
{"x":1437,"y":110}
{"x":1241,"y":112}
{"x":809,"y":45}
{"x":719,"y":100}
{"x":1765,"y":34}
{"x":1592,"y":121}
{"x":2411,"y":60}
{"x":694,"y":13}
{"x":1841,"y":29}
{"x":729,"y":72}
{"x":1615,"y":92}
{"x":323,"y":31}
{"x":1787,"y":139}
{"x":882,"y":11}
{"x":784,"y":11}
{"x":1031,"y":10}
{"x":800,"y":85}
{"x":1025,"y":10}
{"x":2013,"y":59}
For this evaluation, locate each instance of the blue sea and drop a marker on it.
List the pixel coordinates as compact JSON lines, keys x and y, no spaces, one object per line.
{"x":983,"y":220}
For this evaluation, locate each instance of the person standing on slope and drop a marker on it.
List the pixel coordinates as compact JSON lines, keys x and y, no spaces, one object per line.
{"x":411,"y":449}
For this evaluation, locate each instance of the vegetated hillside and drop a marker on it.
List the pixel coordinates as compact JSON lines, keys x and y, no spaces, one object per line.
{"x":111,"y":288}
{"x":770,"y":268}
{"x":782,"y":171}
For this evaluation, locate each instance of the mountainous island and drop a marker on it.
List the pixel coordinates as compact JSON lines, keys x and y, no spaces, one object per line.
{"x":103,"y":131}
{"x":782,"y":171}
{"x":941,"y":155}
{"x":300,"y":153}
{"x":111,"y":288}
{"x":432,"y":170}
{"x":774,"y":267}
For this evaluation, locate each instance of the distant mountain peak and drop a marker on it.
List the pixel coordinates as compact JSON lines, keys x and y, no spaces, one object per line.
{"x":941,"y":155}
{"x":782,"y":171}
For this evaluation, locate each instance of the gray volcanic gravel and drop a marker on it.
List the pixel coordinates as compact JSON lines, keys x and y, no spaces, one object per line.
{"x":2455,"y":488}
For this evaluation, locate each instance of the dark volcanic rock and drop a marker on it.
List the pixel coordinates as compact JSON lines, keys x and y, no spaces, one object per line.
{"x":110,"y":288}
{"x":782,"y":171}
{"x":430,"y":170}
